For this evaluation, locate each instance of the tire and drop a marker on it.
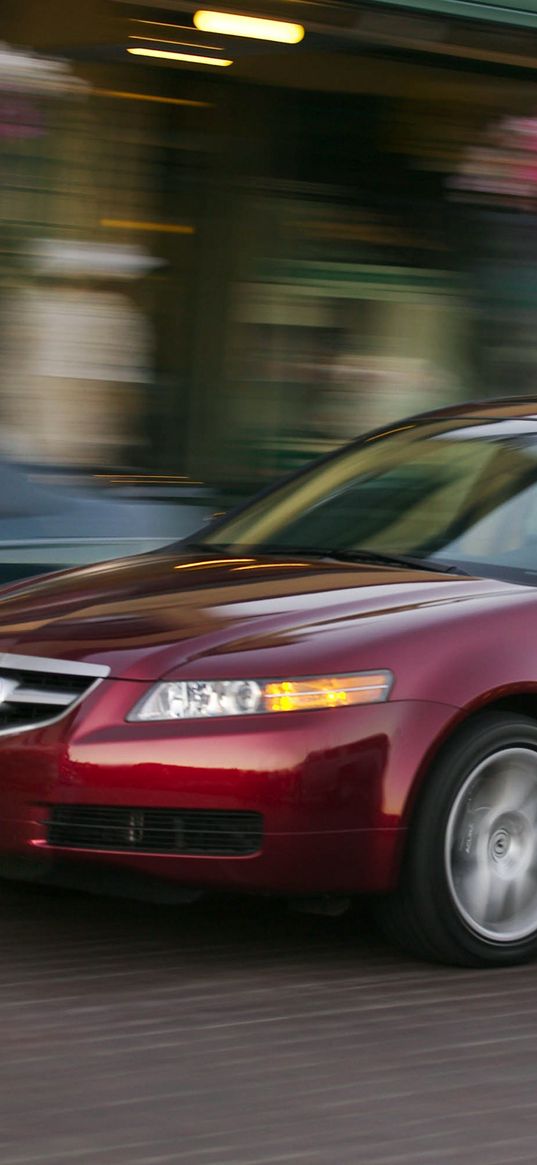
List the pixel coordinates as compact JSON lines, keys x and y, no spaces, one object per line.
{"x":468,"y":888}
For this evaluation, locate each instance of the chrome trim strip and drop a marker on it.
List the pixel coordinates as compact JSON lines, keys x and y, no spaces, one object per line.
{"x":38,"y":696}
{"x":56,"y":666}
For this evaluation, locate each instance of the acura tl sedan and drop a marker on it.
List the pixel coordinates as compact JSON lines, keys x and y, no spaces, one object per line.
{"x":332,"y":692}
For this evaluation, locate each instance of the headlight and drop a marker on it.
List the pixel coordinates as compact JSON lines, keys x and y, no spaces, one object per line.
{"x":192,"y":699}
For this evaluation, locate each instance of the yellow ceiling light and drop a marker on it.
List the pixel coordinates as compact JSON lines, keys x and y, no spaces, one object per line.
{"x":161,"y":24}
{"x":191,"y":58}
{"x":233,"y":24}
{"x":187,"y":44}
{"x":123,"y":95}
{"x":169,"y":228}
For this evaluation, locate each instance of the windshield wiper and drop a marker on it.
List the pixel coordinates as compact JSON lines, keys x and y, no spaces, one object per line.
{"x":415,"y":562}
{"x":365,"y":556}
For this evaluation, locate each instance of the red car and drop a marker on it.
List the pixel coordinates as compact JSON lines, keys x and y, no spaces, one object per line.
{"x":331,"y":692}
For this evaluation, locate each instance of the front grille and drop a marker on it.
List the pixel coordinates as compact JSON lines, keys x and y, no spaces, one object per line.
{"x":34,"y":691}
{"x":211,"y":832}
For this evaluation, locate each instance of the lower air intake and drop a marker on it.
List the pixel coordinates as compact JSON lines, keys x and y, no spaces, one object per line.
{"x":208,"y":832}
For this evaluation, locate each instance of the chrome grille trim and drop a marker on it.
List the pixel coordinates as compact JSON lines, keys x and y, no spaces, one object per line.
{"x":39,"y":663}
{"x":34,"y":696}
{"x":23,"y":679}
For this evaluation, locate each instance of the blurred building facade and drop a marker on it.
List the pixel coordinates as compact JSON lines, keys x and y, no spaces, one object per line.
{"x":325,"y":241}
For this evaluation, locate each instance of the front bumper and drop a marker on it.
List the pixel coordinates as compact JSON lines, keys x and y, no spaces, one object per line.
{"x":333,"y":788}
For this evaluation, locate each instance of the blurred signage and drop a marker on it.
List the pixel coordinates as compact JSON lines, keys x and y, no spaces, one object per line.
{"x":521,"y":12}
{"x":20,"y":118}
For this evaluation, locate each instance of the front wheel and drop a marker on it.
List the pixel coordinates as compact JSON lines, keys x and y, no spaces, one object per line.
{"x":468,"y":892}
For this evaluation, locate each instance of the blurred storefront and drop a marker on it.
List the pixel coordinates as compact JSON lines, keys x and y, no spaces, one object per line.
{"x":313,"y":262}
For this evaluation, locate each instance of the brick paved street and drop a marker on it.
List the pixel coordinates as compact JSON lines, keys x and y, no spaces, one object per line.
{"x":238,"y":1034}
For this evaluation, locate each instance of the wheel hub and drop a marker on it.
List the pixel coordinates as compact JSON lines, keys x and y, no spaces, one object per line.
{"x":499,"y":845}
{"x":512,"y":844}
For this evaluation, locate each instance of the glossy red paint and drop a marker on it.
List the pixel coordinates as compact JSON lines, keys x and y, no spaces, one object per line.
{"x":336,"y":787}
{"x":332,"y":786}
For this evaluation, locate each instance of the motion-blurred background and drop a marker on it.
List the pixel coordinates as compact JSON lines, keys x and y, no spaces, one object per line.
{"x":212,"y":271}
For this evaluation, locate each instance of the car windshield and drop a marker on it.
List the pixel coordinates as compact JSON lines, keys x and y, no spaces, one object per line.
{"x":456,"y":492}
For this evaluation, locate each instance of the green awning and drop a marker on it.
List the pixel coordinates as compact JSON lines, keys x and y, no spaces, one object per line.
{"x":519,"y":12}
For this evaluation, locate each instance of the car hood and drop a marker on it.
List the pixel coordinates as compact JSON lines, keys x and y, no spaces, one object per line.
{"x":156,"y":614}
